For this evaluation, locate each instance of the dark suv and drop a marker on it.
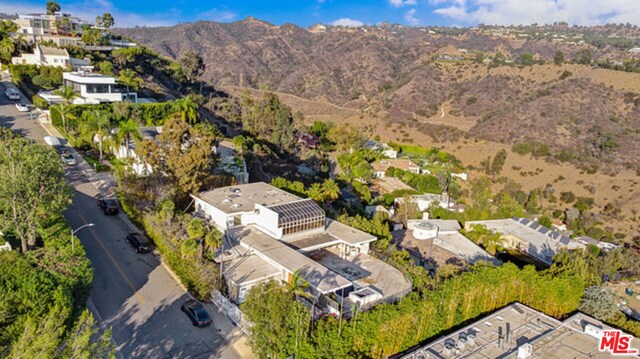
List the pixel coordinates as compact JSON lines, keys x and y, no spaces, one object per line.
{"x":196,"y":313}
{"x":139,"y":242}
{"x":108,"y":206}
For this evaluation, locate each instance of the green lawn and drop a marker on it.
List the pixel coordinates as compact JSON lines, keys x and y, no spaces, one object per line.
{"x":96,"y":164}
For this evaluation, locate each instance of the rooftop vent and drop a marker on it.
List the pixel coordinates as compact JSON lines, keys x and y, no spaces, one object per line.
{"x":525,"y":351}
{"x":236,"y":190}
{"x":236,"y":205}
{"x":593,"y":331}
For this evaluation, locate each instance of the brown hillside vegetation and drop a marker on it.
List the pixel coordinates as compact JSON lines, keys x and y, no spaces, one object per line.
{"x":429,"y":86}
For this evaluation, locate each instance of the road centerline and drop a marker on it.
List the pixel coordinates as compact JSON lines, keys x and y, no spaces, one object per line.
{"x":120,"y":270}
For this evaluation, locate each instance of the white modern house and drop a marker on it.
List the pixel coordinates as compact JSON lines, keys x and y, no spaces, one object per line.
{"x":50,"y":56}
{"x":41,"y":27}
{"x":96,"y":88}
{"x":271,"y":234}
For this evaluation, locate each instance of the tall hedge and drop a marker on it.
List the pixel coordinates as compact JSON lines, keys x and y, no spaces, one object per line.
{"x":151,"y":114}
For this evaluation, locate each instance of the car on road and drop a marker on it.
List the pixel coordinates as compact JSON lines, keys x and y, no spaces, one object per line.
{"x":139,"y":242}
{"x":109,"y":206}
{"x":67,"y":159}
{"x":12,"y":94}
{"x":22,"y":107}
{"x":196,"y":313}
{"x":55,"y":143}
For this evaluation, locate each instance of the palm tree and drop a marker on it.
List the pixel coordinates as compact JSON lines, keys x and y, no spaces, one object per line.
{"x":7,"y":47}
{"x":129,"y":78}
{"x":297,"y":286}
{"x":97,"y":124}
{"x":187,"y":110}
{"x":315,"y":192}
{"x":330,"y":190}
{"x":128,"y":131}
{"x":67,"y":93}
{"x":21,"y":42}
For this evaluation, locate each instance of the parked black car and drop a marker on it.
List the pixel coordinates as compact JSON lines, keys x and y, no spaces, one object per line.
{"x":108,"y":206}
{"x":196,"y":313}
{"x":139,"y":242}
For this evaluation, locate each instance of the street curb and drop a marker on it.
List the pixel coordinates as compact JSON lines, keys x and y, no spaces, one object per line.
{"x":173,"y":274}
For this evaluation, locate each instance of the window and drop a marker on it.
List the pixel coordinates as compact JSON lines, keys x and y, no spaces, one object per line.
{"x":97,"y":88}
{"x":299,"y":216}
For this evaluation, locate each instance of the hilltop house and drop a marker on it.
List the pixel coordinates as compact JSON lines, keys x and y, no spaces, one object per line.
{"x":425,"y":234}
{"x":62,"y":29}
{"x":384,"y":148}
{"x":380,"y":168}
{"x":271,"y":234}
{"x":529,"y":237}
{"x":50,"y":56}
{"x":426,"y":200}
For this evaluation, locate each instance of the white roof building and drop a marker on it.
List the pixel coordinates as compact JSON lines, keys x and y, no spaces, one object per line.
{"x":97,"y":88}
{"x":529,"y":237}
{"x":49,"y":56}
{"x":270,"y":234}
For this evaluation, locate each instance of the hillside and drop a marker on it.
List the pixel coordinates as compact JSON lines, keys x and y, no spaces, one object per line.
{"x":398,"y":76}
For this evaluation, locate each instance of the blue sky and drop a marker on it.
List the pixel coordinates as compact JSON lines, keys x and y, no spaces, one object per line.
{"x":348,"y":12}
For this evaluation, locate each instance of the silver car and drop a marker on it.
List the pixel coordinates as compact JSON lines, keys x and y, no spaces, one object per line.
{"x":68,"y":159}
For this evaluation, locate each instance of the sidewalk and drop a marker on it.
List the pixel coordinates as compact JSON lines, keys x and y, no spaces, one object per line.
{"x":105,"y":183}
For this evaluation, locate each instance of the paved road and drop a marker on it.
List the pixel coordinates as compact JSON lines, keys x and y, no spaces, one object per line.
{"x":133,"y":294}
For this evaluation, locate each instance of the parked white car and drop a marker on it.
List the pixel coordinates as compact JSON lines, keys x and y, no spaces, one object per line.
{"x":12,"y":94}
{"x":22,"y":107}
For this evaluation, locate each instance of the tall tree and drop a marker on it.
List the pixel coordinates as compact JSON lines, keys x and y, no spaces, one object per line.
{"x":68,"y":94}
{"x":315,"y":192}
{"x":183,"y":153}
{"x":192,"y":65}
{"x":83,"y":340}
{"x":33,"y":188}
{"x":128,"y":131}
{"x":187,"y":110}
{"x":106,"y":20}
{"x":129,"y":78}
{"x":96,"y":125}
{"x":7,"y":47}
{"x":52,"y":7}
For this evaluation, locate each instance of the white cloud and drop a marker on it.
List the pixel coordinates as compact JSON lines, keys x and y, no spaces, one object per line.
{"x":410,"y":17}
{"x":345,"y":21}
{"x":400,"y":3}
{"x":89,"y":9}
{"x":218,"y":15}
{"x":507,"y":12}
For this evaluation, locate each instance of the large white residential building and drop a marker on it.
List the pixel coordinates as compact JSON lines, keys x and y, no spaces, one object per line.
{"x":96,"y":88}
{"x":271,"y":234}
{"x":61,"y":28}
{"x":49,"y":56}
{"x":529,"y":237}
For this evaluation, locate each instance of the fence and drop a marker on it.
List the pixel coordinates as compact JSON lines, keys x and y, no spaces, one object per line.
{"x":230,"y":310}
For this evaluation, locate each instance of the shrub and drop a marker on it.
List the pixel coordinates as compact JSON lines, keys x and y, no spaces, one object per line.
{"x":567,"y":197}
{"x":40,"y":103}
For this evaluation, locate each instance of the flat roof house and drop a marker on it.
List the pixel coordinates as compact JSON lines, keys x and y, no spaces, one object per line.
{"x":518,"y":331}
{"x":49,"y":56}
{"x":270,"y":234}
{"x":529,"y":237}
{"x":63,"y":29}
{"x":423,"y":235}
{"x":380,"y":168}
{"x":97,"y":88}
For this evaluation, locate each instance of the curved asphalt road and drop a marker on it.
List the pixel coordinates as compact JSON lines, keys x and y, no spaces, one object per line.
{"x":134,"y":294}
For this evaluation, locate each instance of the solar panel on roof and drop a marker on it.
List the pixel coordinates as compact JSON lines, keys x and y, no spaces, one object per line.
{"x":543,"y":230}
{"x":535,"y":226}
{"x":565,"y":240}
{"x":525,"y":221}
